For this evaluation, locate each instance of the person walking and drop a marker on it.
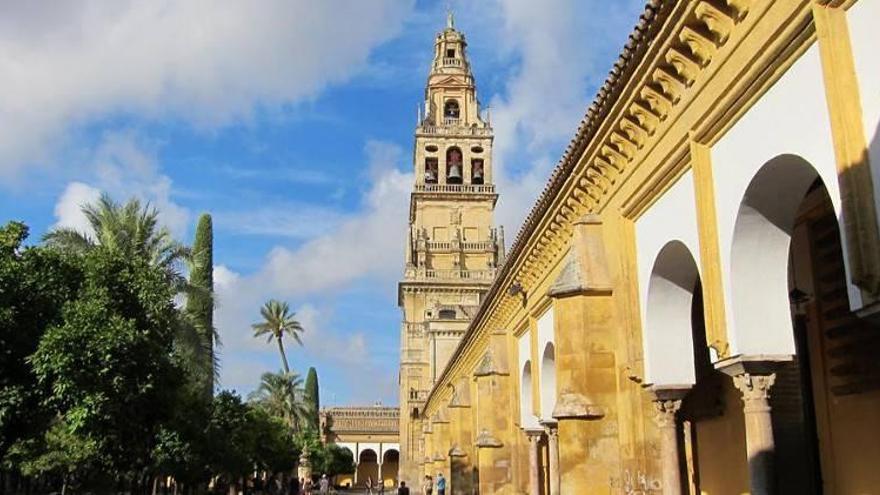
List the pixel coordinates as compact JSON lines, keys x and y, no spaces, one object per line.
{"x":441,"y":484}
{"x":402,"y":489}
{"x":370,"y":485}
{"x":324,"y":484}
{"x":428,"y":485}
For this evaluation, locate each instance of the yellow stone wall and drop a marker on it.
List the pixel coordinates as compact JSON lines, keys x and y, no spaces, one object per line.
{"x":691,"y":72}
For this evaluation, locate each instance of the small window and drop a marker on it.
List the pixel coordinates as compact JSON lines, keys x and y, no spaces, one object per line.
{"x":431,"y":148}
{"x":477,"y":149}
{"x":447,"y":314}
{"x":450,"y":53}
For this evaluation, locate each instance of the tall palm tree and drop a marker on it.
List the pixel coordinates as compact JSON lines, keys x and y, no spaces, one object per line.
{"x":282,"y":395}
{"x":131,"y":228}
{"x":277,"y":321}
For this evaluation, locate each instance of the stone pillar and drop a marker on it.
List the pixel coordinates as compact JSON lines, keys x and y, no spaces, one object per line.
{"x":667,"y":401}
{"x":493,"y":398}
{"x":753,"y":376}
{"x":550,"y":427}
{"x":586,"y":333}
{"x":534,"y":436}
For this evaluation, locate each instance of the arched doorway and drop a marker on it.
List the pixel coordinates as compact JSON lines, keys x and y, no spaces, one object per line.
{"x":390,"y":463}
{"x":368,"y":468}
{"x":789,"y":294}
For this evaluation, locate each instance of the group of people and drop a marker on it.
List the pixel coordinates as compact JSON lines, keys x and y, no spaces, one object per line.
{"x":306,"y":486}
{"x":427,"y":486}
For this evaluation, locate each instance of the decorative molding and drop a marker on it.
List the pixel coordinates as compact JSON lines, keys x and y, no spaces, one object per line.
{"x":572,"y":405}
{"x":489,"y":366}
{"x":485,"y":440}
{"x":455,"y":451}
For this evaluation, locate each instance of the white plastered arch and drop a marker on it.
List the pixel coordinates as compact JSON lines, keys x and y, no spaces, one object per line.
{"x":546,"y":370}
{"x":548,"y":381}
{"x":789,"y":125}
{"x":760,"y":252}
{"x":668,"y":335}
{"x":527,"y":416}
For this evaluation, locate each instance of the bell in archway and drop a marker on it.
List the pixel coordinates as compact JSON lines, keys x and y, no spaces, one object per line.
{"x":478,"y":172}
{"x":454,"y":172}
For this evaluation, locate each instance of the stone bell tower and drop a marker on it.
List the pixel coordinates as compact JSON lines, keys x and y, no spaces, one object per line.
{"x":452,"y":248}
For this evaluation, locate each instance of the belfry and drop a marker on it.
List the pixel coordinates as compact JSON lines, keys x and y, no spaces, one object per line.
{"x":452,"y":247}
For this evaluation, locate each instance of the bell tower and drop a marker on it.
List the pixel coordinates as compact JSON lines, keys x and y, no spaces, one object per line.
{"x":452,"y":248}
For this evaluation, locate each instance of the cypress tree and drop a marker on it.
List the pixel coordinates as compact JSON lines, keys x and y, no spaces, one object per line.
{"x":200,"y":303}
{"x":313,"y":397}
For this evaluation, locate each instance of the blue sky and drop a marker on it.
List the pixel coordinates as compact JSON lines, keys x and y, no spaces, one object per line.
{"x":291,"y":122}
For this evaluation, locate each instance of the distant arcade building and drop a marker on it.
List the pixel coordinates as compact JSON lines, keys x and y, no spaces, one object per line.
{"x":452,"y":248}
{"x":371,"y":434}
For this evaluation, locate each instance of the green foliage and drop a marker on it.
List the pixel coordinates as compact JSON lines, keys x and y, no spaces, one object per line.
{"x":131,"y":229}
{"x":242,"y":436}
{"x":329,"y":459}
{"x":313,"y":398}
{"x":200,"y":305}
{"x":34,"y":283}
{"x":94,"y":363}
{"x":278,"y":320}
{"x":108,"y":361}
{"x":281,"y":395}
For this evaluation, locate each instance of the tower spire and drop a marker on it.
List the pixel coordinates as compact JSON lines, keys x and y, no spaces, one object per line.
{"x":450,"y":19}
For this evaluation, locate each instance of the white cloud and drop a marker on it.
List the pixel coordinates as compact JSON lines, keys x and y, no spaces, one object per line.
{"x":558,"y":68}
{"x":370,"y":243}
{"x":123,"y":165}
{"x":68,"y":209}
{"x":367,"y":244}
{"x":208,"y":63}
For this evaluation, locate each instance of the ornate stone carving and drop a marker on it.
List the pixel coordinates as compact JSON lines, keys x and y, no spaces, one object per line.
{"x":701,"y":45}
{"x":666,"y":410}
{"x":715,"y":19}
{"x":755,"y":389}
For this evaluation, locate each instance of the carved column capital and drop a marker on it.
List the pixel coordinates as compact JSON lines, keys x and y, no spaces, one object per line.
{"x":533,"y":434}
{"x":551,"y":428}
{"x":666,"y":410}
{"x":755,"y":390}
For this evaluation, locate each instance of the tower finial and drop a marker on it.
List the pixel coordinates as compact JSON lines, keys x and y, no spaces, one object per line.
{"x":450,"y":20}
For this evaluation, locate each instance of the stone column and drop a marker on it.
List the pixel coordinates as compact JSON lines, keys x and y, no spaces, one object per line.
{"x":534,"y":436}
{"x":753,"y":376}
{"x":759,"y":429}
{"x":553,"y":455}
{"x":667,"y":401}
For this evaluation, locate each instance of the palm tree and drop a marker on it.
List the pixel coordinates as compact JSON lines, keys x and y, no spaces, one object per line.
{"x":131,"y":228}
{"x":282,"y":395}
{"x":277,"y":321}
